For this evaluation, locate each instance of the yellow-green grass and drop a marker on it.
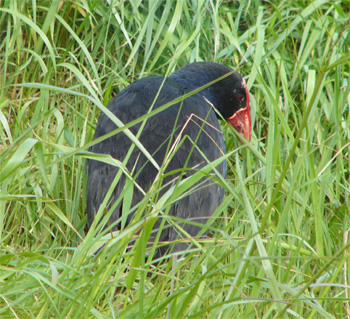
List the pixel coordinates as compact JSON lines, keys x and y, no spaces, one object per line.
{"x":279,"y":243}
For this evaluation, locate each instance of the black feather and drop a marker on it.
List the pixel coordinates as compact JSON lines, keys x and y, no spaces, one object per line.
{"x":134,"y":102}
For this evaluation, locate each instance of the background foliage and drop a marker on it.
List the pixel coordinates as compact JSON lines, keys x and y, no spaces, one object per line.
{"x":280,"y":240}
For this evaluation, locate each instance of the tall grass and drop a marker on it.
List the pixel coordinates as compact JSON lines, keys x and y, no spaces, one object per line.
{"x":279,"y":245}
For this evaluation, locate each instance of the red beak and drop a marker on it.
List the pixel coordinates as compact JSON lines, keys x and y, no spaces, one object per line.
{"x":241,"y":119}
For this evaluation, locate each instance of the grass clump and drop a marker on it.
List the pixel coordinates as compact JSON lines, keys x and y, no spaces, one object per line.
{"x":280,"y":243}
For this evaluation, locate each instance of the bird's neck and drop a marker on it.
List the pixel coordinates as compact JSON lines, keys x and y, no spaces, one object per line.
{"x":189,"y":83}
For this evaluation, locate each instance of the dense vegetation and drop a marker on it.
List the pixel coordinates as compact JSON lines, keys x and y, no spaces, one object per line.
{"x":279,"y":244}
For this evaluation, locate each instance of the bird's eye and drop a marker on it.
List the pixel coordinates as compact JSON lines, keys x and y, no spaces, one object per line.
{"x":240,"y":98}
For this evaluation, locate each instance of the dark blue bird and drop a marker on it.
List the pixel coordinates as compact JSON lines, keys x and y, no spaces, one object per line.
{"x":193,"y":119}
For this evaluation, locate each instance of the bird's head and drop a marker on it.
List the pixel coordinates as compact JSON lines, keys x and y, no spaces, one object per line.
{"x":240,"y":115}
{"x":229,"y":96}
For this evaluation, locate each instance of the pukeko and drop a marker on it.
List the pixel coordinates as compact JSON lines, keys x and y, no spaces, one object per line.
{"x":194,"y":120}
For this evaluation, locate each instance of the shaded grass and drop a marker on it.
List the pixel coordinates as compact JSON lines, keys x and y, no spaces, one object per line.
{"x":279,"y":245}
